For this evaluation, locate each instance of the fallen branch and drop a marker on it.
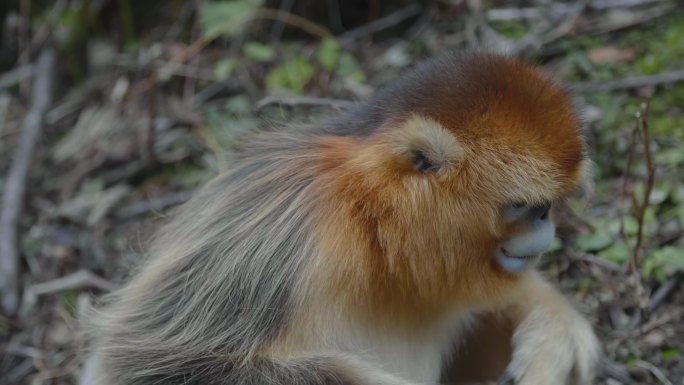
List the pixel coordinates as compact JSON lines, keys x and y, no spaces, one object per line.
{"x":80,"y":279}
{"x":551,"y":31}
{"x":657,"y":373}
{"x":603,"y":263}
{"x":77,"y":280}
{"x":644,"y":16}
{"x":151,"y":205}
{"x":663,"y":292}
{"x":15,"y":184}
{"x":382,"y":23}
{"x":607,"y":4}
{"x":639,"y":249}
{"x":15,"y":76}
{"x":303,"y":101}
{"x":635,"y":82}
{"x":561,"y":9}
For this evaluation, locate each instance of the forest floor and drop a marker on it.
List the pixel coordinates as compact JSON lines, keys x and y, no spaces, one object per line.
{"x":147,"y":97}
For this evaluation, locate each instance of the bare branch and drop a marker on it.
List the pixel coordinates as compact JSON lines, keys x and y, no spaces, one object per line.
{"x":642,"y":126}
{"x":303,"y":101}
{"x":663,"y":291}
{"x":657,"y":373}
{"x":77,"y":280}
{"x":15,"y":185}
{"x":561,"y":9}
{"x":156,"y":204}
{"x":80,"y":279}
{"x":634,"y":82}
{"x":384,"y":22}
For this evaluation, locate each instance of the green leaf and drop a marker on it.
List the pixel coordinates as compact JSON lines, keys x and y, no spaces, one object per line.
{"x":658,"y":193}
{"x":618,"y":253}
{"x":224,"y":68}
{"x":511,"y":29}
{"x":664,"y":262}
{"x":592,"y":242}
{"x":226,"y":17}
{"x":349,"y":68}
{"x":70,"y":300}
{"x":240,"y":105}
{"x":628,"y":224}
{"x":258,"y":51}
{"x":671,"y":354}
{"x":556,"y":245}
{"x":292,"y":76}
{"x":671,"y":157}
{"x":329,"y":53}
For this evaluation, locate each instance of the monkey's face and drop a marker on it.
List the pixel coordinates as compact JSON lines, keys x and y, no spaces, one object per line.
{"x":422,"y":214}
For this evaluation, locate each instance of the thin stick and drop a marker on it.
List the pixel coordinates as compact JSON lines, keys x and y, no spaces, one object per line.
{"x":279,"y":26}
{"x":625,"y":182}
{"x":77,"y":280}
{"x":629,"y":83}
{"x":303,"y":101}
{"x":638,"y":251}
{"x":560,"y":9}
{"x":663,"y":291}
{"x":607,"y":4}
{"x":15,"y":184}
{"x":151,"y":205}
{"x":297,"y":21}
{"x":382,"y":23}
{"x":642,"y":126}
{"x":190,"y":82}
{"x":657,"y":373}
{"x":603,"y":263}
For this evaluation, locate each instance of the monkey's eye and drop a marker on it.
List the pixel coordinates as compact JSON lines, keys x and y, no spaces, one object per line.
{"x":514,"y":211}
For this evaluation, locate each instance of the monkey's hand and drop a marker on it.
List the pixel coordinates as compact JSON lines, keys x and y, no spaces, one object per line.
{"x":553,"y":343}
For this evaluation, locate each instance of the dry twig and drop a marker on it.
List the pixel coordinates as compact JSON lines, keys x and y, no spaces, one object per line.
{"x":77,"y":280}
{"x":561,"y":9}
{"x":663,"y":291}
{"x":15,"y":184}
{"x":657,"y":373}
{"x":600,"y":262}
{"x":303,"y":101}
{"x":411,"y":10}
{"x":629,"y":83}
{"x":152,"y":205}
{"x":643,"y":129}
{"x":636,"y":257}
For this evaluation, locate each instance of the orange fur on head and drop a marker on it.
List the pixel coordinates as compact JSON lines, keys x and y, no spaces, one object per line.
{"x":412,"y":243}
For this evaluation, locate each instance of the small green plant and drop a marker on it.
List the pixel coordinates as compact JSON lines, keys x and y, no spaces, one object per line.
{"x":292,"y":76}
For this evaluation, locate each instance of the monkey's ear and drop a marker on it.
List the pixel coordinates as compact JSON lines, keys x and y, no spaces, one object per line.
{"x":422,"y":162}
{"x":425,"y":144}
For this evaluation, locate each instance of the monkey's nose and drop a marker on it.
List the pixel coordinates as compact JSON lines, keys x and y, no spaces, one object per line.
{"x":541,"y":212}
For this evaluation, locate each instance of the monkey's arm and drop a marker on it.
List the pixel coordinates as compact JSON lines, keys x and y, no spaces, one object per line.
{"x":540,"y":339}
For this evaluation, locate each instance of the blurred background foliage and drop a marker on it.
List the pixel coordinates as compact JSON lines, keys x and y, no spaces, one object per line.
{"x":151,"y":97}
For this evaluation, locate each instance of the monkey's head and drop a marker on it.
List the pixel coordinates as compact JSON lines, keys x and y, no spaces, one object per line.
{"x":447,"y":198}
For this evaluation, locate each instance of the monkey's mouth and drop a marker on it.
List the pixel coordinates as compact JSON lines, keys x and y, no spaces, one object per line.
{"x":506,"y":254}
{"x":515,"y":263}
